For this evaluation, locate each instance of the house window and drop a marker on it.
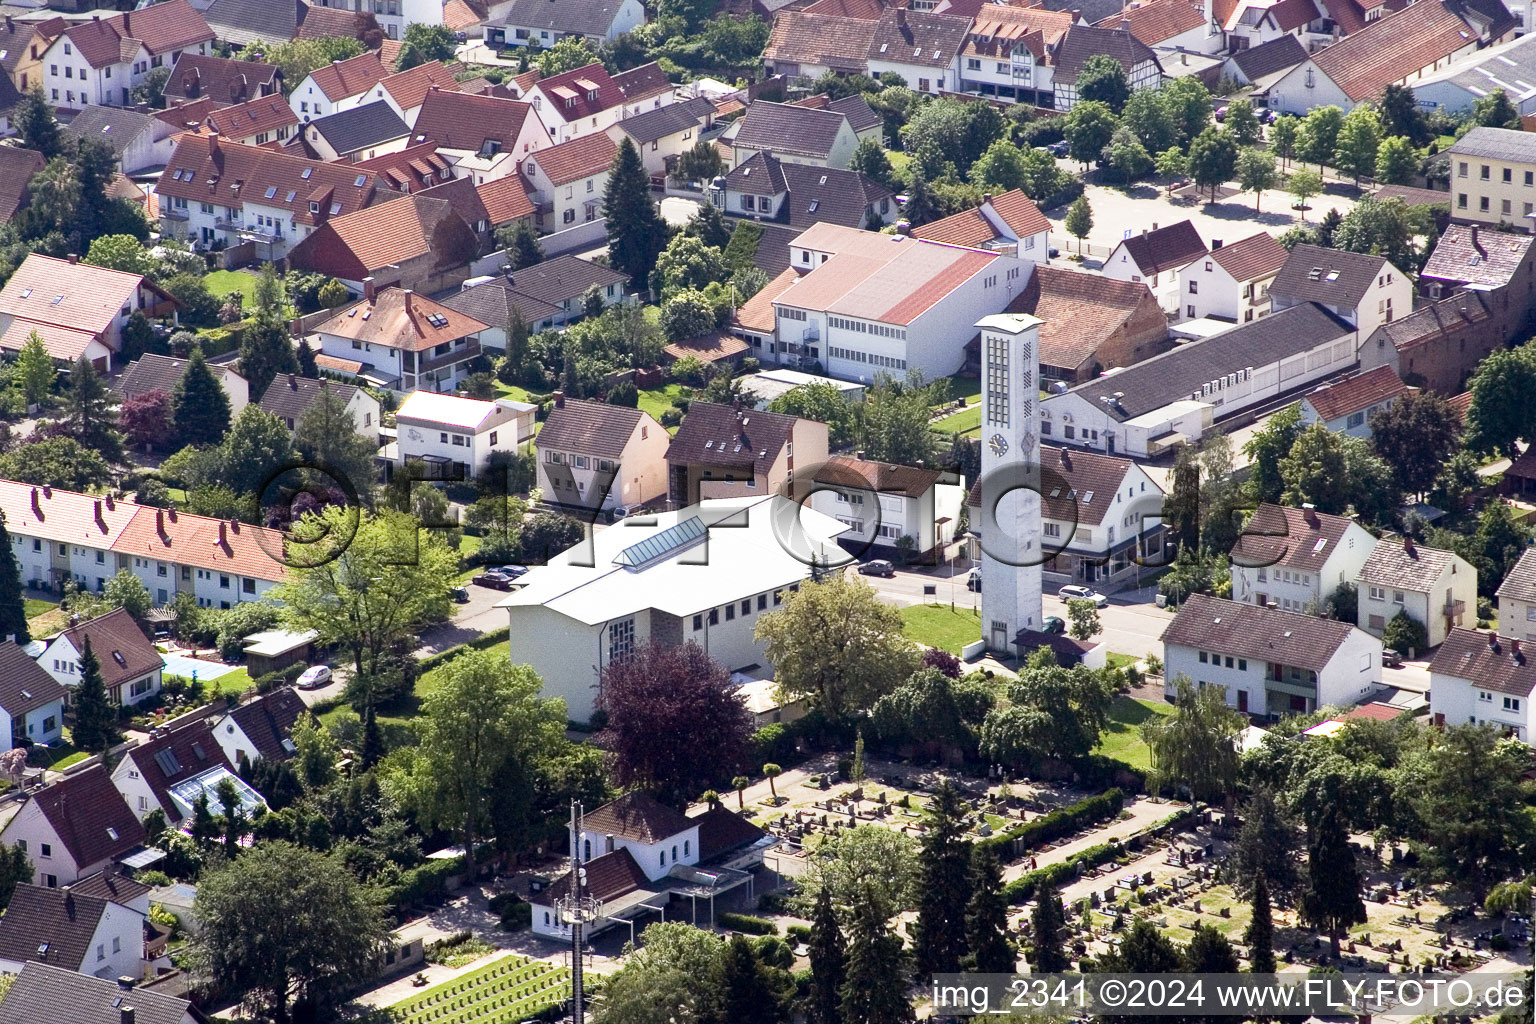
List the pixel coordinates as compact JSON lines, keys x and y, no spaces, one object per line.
{"x":1397,"y":597}
{"x":621,"y":639}
{"x":223,"y":582}
{"x":1194,"y":287}
{"x":493,"y":438}
{"x":1484,"y":695}
{"x":45,"y":849}
{"x":698,"y":622}
{"x":1511,"y":703}
{"x":730,"y":612}
{"x":1483,"y":172}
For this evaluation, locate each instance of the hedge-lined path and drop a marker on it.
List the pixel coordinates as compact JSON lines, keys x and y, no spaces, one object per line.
{"x":1143,"y":814}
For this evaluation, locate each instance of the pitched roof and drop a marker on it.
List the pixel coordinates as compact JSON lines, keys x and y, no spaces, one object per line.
{"x":719,"y":435}
{"x":290,"y":395}
{"x":591,"y":428}
{"x":355,"y":128}
{"x":42,"y":992}
{"x":1397,"y":45}
{"x":722,"y":830}
{"x":881,"y":477}
{"x":110,"y":884}
{"x":1405,"y":566}
{"x":580,"y":92}
{"x":1271,"y":58}
{"x":204,"y":543}
{"x":917,"y":38}
{"x":451,"y":410}
{"x":859,"y":113}
{"x":351,"y":77}
{"x":1081,"y":312}
{"x":92,"y":819}
{"x":409,"y":88}
{"x":816,"y":194}
{"x":461,"y":14}
{"x":608,"y":877}
{"x":76,"y":296}
{"x":492,"y":302}
{"x":1171,"y":376}
{"x":269,"y":719}
{"x":1166,"y":248}
{"x":174,"y":756}
{"x":151,"y":372}
{"x":1520,"y":584}
{"x":24,"y":685}
{"x":160,"y":28}
{"x":400,"y":319}
{"x":355,"y":245}
{"x":1160,"y":20}
{"x":1290,"y":15}
{"x":672,"y":119}
{"x":756,"y":314}
{"x":1496,"y":144}
{"x":17,"y":166}
{"x":319,"y":22}
{"x":781,"y":128}
{"x":1087,"y":475}
{"x":49,"y":925}
{"x":567,"y":17}
{"x":643,"y":82}
{"x":638,"y":817}
{"x":1356,"y":393}
{"x":1001,"y":29}
{"x":416,"y":167}
{"x":1467,"y":254}
{"x":253,"y":117}
{"x":1084,"y":41}
{"x":1491,"y":662}
{"x":711,"y":347}
{"x":581,"y":157}
{"x":801,"y":37}
{"x":1437,"y":321}
{"x":457,"y":120}
{"x":118,"y":127}
{"x":65,"y":517}
{"x":121,"y":647}
{"x":241,"y":22}
{"x":972,"y":228}
{"x":1288,"y":538}
{"x":505,"y":199}
{"x":222,"y":80}
{"x":1268,"y":634}
{"x":16,"y":35}
{"x":564,"y":277}
{"x":1251,"y":258}
{"x":1330,"y":276}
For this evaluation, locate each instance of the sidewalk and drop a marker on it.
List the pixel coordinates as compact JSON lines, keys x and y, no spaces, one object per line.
{"x":1144,"y":813}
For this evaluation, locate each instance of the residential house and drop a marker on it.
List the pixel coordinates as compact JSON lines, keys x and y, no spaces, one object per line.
{"x":1431,"y":586}
{"x":596,"y":456}
{"x":76,"y":932}
{"x":9,"y":98}
{"x":1260,"y":67}
{"x":31,"y":701}
{"x":492,"y":301}
{"x":1296,"y":559}
{"x":1367,"y":291}
{"x":800,"y":135}
{"x":1155,"y":258}
{"x":1483,"y":678}
{"x":807,"y":44}
{"x":1231,"y":282}
{"x":874,"y":303}
{"x":17,"y":167}
{"x":316,"y":21}
{"x":582,"y":101}
{"x":1010,"y":223}
{"x":922,"y":47}
{"x":261,"y":727}
{"x":73,"y":827}
{"x":1176,"y":25}
{"x":42,"y":991}
{"x":101,"y":60}
{"x":645,"y":88}
{"x":1089,"y":324}
{"x":219,"y":563}
{"x":151,"y":372}
{"x":356,"y":134}
{"x":1401,"y":47}
{"x":1346,"y":406}
{"x":1508,"y":66}
{"x":866,"y":124}
{"x":662,"y":134}
{"x":1142,"y":68}
{"x":542,"y":23}
{"x":405,"y":91}
{"x":1254,"y":24}
{"x":223,"y":81}
{"x":77,"y":309}
{"x":454,"y":437}
{"x":338,"y":85}
{"x":649,"y":579}
{"x":721,"y":451}
{"x":889,"y":509}
{"x":485,"y":136}
{"x":405,"y":341}
{"x":130,"y":665}
{"x":1493,"y":177}
{"x":567,"y":182}
{"x":176,"y":766}
{"x":415,"y":168}
{"x":489,"y":207}
{"x":803,"y":195}
{"x":290,"y":396}
{"x":412,"y":242}
{"x":1010,"y":52}
{"x":138,"y":141}
{"x":61,"y":536}
{"x":1497,"y":262}
{"x":243,"y":22}
{"x":1439,"y":345}
{"x":1269,"y":662}
{"x":1517,"y":598}
{"x":213,"y":192}
{"x":22,"y":45}
{"x":255,"y":122}
{"x":1174,"y":398}
{"x":551,"y":293}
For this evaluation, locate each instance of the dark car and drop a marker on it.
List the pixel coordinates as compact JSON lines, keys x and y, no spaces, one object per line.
{"x":973,"y":581}
{"x":1053,"y":624}
{"x":1391,"y":658}
{"x":1059,"y":148}
{"x":460,"y":595}
{"x":493,"y":579}
{"x":513,"y":571}
{"x":877,"y":567}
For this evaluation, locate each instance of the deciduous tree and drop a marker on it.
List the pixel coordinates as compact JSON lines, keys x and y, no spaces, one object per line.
{"x":1501,"y":411}
{"x":35,"y":374}
{"x":146,"y":418}
{"x":1396,"y":161}
{"x":424,"y":43}
{"x":1282,"y":138}
{"x":1242,"y":122}
{"x":1195,"y":748}
{"x":1102,"y":79}
{"x":1318,"y":138}
{"x":257,"y":448}
{"x":1088,"y":127}
{"x":1255,"y":173}
{"x":1358,"y":140}
{"x":1212,"y":159}
{"x":1401,"y":115}
{"x":1079,"y":220}
{"x":57,"y":462}
{"x":1416,"y":435}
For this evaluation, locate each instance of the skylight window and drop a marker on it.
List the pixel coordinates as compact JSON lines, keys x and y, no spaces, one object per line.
{"x":56,"y":300}
{"x":307,"y":172}
{"x":291,"y":194}
{"x":271,"y":191}
{"x":26,"y":292}
{"x":668,"y":542}
{"x":437,"y":320}
{"x":112,"y":833}
{"x":117,"y":656}
{"x":1087,"y":497}
{"x":359,"y":182}
{"x":1332,"y":275}
{"x":167,"y":761}
{"x":335,"y":209}
{"x":814,"y":204}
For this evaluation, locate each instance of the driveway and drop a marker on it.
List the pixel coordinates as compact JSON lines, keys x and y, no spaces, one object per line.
{"x":475,"y":618}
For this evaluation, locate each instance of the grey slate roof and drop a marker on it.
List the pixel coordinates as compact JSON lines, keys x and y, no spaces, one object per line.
{"x":772,"y":255}
{"x":492,"y":303}
{"x":45,"y":925}
{"x":245,"y":21}
{"x":1393,"y":564}
{"x":1496,"y":144}
{"x":589,"y":428}
{"x":1153,"y":383}
{"x":24,"y":686}
{"x":1084,"y":41}
{"x":152,"y":372}
{"x":290,"y":396}
{"x":1467,"y":654}
{"x":1268,"y":634}
{"x":1330,"y":276}
{"x":1520,"y":584}
{"x":917,"y":38}
{"x":659,"y":122}
{"x":118,"y":127}
{"x":348,"y":131}
{"x":816,"y":194}
{"x":1466,"y":253}
{"x":859,"y":113}
{"x":564,"y":277}
{"x":781,"y":128}
{"x":568,"y":17}
{"x":1274,"y":56}
{"x":43,"y":993}
{"x":1165,"y":248}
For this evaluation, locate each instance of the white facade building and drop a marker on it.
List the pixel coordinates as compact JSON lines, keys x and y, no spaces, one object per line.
{"x":1433,"y":587}
{"x":459,"y":434}
{"x":1296,"y":559}
{"x":1483,"y":678}
{"x":1231,"y":282}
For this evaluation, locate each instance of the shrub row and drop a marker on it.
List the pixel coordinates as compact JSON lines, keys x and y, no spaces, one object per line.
{"x":1022,"y":889}
{"x":424,"y":882}
{"x":749,"y":924}
{"x":1063,"y":821}
{"x":479,"y":643}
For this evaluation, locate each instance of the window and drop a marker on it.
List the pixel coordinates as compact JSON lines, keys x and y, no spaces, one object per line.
{"x":1511,"y":703}
{"x":1484,"y":695}
{"x":1204,"y":658}
{"x":223,"y":582}
{"x":1508,"y":175}
{"x":730,"y":612}
{"x":1194,"y":287}
{"x":1397,"y":597}
{"x":1482,"y":203}
{"x":698,"y":622}
{"x":1461,"y":200}
{"x":1483,"y":172}
{"x":1378,"y":594}
{"x":45,"y":849}
{"x":493,"y":437}
{"x":714,"y":616}
{"x":762,"y":601}
{"x":621,"y":639}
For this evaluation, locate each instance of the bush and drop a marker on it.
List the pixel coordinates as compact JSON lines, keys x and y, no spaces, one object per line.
{"x":515,"y":912}
{"x":423,"y":883}
{"x":1405,"y":633}
{"x":1022,"y":889}
{"x":772,"y":744}
{"x":1063,"y":821}
{"x":749,"y":924}
{"x":799,"y":932}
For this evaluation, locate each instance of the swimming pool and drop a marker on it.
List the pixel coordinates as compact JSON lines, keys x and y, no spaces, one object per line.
{"x":181,"y":665}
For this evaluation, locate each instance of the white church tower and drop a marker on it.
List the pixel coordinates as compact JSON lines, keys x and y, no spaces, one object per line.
{"x":1010,"y":479}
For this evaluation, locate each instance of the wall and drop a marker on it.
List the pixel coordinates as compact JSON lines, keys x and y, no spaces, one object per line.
{"x":1460,"y":701}
{"x":117,"y":948}
{"x":1517,"y":618}
{"x":30,"y":826}
{"x":1492,"y":200}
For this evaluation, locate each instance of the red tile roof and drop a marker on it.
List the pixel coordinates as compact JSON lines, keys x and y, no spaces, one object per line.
{"x":251,"y":118}
{"x":460,"y":14}
{"x":269,"y":719}
{"x":186,"y":751}
{"x":350,"y":77}
{"x":75,"y":296}
{"x":1393,"y":47}
{"x":505,"y":199}
{"x":1251,"y":258}
{"x":1354,"y":394}
{"x":409,"y":88}
{"x":582,"y":157}
{"x":400,"y":320}
{"x":1375,"y":711}
{"x":1159,"y":20}
{"x":756,"y":314}
{"x":418,"y":167}
{"x":206,"y":169}
{"x":161,"y":28}
{"x":637,"y":817}
{"x":881,"y":477}
{"x":1081,"y":312}
{"x":220,"y":79}
{"x":1493,"y":662}
{"x":639,"y":83}
{"x":999,"y":30}
{"x":389,"y":52}
{"x":353,"y":247}
{"x":608,"y":877}
{"x":17,"y":166}
{"x":456,"y":120}
{"x":199,"y":541}
{"x":971,"y":227}
{"x":91,"y":817}
{"x":317,"y":22}
{"x":589,"y":91}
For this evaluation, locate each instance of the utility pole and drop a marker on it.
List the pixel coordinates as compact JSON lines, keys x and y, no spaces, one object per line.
{"x":577,"y":909}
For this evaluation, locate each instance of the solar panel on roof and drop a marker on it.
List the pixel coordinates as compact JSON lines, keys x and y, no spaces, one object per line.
{"x":667,"y":542}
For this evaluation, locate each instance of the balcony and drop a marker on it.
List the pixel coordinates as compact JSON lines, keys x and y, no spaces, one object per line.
{"x":456,"y":355}
{"x":169,"y":212}
{"x":811,"y":333}
{"x":1454,"y":610}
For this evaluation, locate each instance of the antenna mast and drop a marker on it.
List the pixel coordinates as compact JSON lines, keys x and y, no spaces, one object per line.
{"x":577,"y":909}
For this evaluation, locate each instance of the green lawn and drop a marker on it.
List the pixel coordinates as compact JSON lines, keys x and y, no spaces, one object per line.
{"x":658,"y":400}
{"x":222,"y":282}
{"x":935,"y":625}
{"x":399,"y":714}
{"x":514,"y":392}
{"x":968,"y":388}
{"x":1117,"y":660}
{"x":1122,"y":740}
{"x":966,"y":421}
{"x":512,"y":988}
{"x":37,"y":607}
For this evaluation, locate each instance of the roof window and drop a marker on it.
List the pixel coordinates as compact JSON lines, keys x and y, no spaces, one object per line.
{"x":359,"y":182}
{"x":437,"y":320}
{"x":271,"y":191}
{"x":335,"y":209}
{"x":307,"y":172}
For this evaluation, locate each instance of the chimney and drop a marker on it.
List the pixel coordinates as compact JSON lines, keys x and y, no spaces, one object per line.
{"x":1477,"y":244}
{"x":125,"y":982}
{"x":608,"y":843}
{"x":293,"y":385}
{"x":9,"y":24}
{"x":127,"y":31}
{"x":1309,"y":513}
{"x":73,"y":258}
{"x":125,"y":1015}
{"x":903,"y":227}
{"x":901,"y":17}
{"x":1408,"y":548}
{"x":986,"y":197}
{"x":1514,"y":650}
{"x":37,"y":506}
{"x":368,"y":292}
{"x":160,"y":522}
{"x":69,"y":902}
{"x":859,"y":455}
{"x":223,"y":534}
{"x":1493,"y":642}
{"x":559,"y":399}
{"x":111,"y":503}
{"x":213,"y":142}
{"x":1125,"y":25}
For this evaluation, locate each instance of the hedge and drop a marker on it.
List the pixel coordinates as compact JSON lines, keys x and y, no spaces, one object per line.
{"x":479,"y":643}
{"x":1063,"y":821}
{"x":1022,"y":889}
{"x":747,"y":923}
{"x":424,"y":881}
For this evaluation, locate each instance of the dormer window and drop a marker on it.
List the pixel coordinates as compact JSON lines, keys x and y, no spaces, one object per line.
{"x":314,"y":207}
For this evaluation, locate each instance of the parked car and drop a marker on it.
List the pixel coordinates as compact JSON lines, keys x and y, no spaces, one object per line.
{"x":493,"y":579}
{"x":1053,"y":624}
{"x":513,"y":571}
{"x":1072,"y":591}
{"x":973,"y":581}
{"x":1221,"y":113}
{"x":877,"y":567}
{"x":1391,"y":658}
{"x":1061,"y":148}
{"x":460,"y":595}
{"x":313,"y":678}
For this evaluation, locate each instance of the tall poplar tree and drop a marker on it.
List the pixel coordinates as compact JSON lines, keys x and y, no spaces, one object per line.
{"x":13,"y":603}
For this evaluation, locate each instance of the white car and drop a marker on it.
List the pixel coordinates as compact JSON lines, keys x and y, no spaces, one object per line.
{"x":1072,"y":591}
{"x":314,"y":678}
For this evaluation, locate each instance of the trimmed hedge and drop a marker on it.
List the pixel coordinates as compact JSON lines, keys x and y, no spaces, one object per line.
{"x":747,"y":923}
{"x":424,"y":882}
{"x":1063,"y":821}
{"x":1022,"y":889}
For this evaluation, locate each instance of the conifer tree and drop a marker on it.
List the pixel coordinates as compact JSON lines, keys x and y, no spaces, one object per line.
{"x":306,"y":357}
{"x":748,"y":994}
{"x":1046,"y":920}
{"x":939,"y":940}
{"x":828,"y":957}
{"x":95,"y":717}
{"x":636,"y":232}
{"x":90,"y":413}
{"x":1331,"y":900}
{"x":199,"y":405}
{"x":1260,"y":935}
{"x":986,"y":917}
{"x":13,"y":603}
{"x":875,"y":990}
